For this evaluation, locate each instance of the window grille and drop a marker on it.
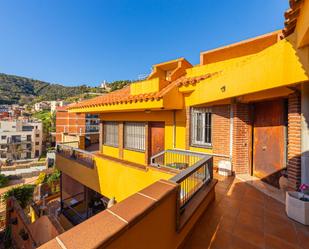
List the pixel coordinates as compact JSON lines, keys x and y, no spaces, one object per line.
{"x":134,"y":136}
{"x":201,"y":126}
{"x":111,"y":133}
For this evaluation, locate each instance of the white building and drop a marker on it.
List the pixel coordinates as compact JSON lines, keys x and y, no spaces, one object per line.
{"x":20,"y":140}
{"x":104,"y":85}
{"x":55,"y":103}
{"x":43,"y":105}
{"x":48,"y":105}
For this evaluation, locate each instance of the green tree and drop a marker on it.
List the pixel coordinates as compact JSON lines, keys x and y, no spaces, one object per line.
{"x":23,"y":194}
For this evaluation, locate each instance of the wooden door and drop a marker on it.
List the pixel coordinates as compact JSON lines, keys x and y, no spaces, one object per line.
{"x":269,"y":140}
{"x":156,"y":138}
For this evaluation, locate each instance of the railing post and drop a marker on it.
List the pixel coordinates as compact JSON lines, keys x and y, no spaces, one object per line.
{"x":73,"y":154}
{"x":210,"y":168}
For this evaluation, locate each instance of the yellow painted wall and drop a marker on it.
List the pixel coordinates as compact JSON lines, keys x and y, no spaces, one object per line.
{"x":239,"y":49}
{"x":218,"y":66}
{"x":302,"y":26}
{"x":204,"y":150}
{"x":278,"y":65}
{"x":145,"y":86}
{"x":110,"y":151}
{"x":120,"y":181}
{"x":111,"y":178}
{"x":134,"y":156}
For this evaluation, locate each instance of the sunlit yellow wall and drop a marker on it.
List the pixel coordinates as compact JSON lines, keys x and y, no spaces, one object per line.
{"x":110,"y":178}
{"x":204,"y":150}
{"x":239,"y":49}
{"x":217,"y":66}
{"x":110,"y":151}
{"x":180,"y":141}
{"x":278,"y":65}
{"x":134,"y":156}
{"x":117,"y":180}
{"x":145,"y":86}
{"x":302,"y":26}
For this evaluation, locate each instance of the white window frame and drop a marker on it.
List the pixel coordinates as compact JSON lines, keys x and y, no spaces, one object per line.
{"x":111,"y":133}
{"x":206,"y":128}
{"x":137,"y":132}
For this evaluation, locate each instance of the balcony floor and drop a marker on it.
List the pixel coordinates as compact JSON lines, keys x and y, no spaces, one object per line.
{"x":243,"y":217}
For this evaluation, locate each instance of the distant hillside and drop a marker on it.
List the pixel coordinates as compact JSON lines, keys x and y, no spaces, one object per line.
{"x":22,"y":90}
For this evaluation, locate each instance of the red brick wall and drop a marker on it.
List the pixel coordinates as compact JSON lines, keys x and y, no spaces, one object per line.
{"x":221,"y":132}
{"x":70,"y":122}
{"x":294,"y":141}
{"x":241,"y":138}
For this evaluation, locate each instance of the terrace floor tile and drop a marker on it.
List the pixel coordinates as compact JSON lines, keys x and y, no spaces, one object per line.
{"x":242,"y":217}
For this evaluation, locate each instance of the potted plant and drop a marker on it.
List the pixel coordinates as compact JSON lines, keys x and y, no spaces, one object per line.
{"x":297,"y":204}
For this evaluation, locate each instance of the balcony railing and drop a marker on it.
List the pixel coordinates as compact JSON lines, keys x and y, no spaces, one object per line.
{"x":193,"y":178}
{"x":74,"y":208}
{"x":176,"y":159}
{"x":81,"y":156}
{"x":195,"y":170}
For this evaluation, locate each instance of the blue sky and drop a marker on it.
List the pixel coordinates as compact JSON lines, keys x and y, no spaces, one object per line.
{"x":88,"y":41}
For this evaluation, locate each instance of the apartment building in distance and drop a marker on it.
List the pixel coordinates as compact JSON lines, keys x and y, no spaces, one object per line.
{"x":4,"y":112}
{"x":20,"y":140}
{"x":11,"y":112}
{"x":82,"y":128}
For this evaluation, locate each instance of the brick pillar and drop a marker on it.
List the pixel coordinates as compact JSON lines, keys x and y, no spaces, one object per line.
{"x":220,"y":132}
{"x":242,"y":138}
{"x":294,"y":140}
{"x":120,"y":139}
{"x":188,"y":128}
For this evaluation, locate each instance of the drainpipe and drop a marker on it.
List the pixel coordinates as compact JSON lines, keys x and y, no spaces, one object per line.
{"x":305,"y":133}
{"x":231,"y":130}
{"x":174,"y":129}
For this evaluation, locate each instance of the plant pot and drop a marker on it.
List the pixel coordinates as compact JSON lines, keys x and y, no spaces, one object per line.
{"x":296,"y":208}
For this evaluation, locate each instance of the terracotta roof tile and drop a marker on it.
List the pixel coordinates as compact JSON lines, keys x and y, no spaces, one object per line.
{"x":291,"y":16}
{"x":124,"y":96}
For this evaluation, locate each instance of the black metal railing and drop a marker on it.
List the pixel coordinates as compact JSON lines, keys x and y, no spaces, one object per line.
{"x":176,"y":159}
{"x":84,"y":157}
{"x":193,"y":178}
{"x":72,"y":208}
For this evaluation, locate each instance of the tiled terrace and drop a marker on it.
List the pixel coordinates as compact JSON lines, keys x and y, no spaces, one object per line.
{"x":243,"y":218}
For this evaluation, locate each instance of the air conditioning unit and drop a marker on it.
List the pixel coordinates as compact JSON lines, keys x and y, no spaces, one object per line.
{"x":225,"y":168}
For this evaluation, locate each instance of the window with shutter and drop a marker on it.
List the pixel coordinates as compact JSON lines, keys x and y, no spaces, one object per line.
{"x":201,"y":126}
{"x":111,"y":134}
{"x":134,"y":136}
